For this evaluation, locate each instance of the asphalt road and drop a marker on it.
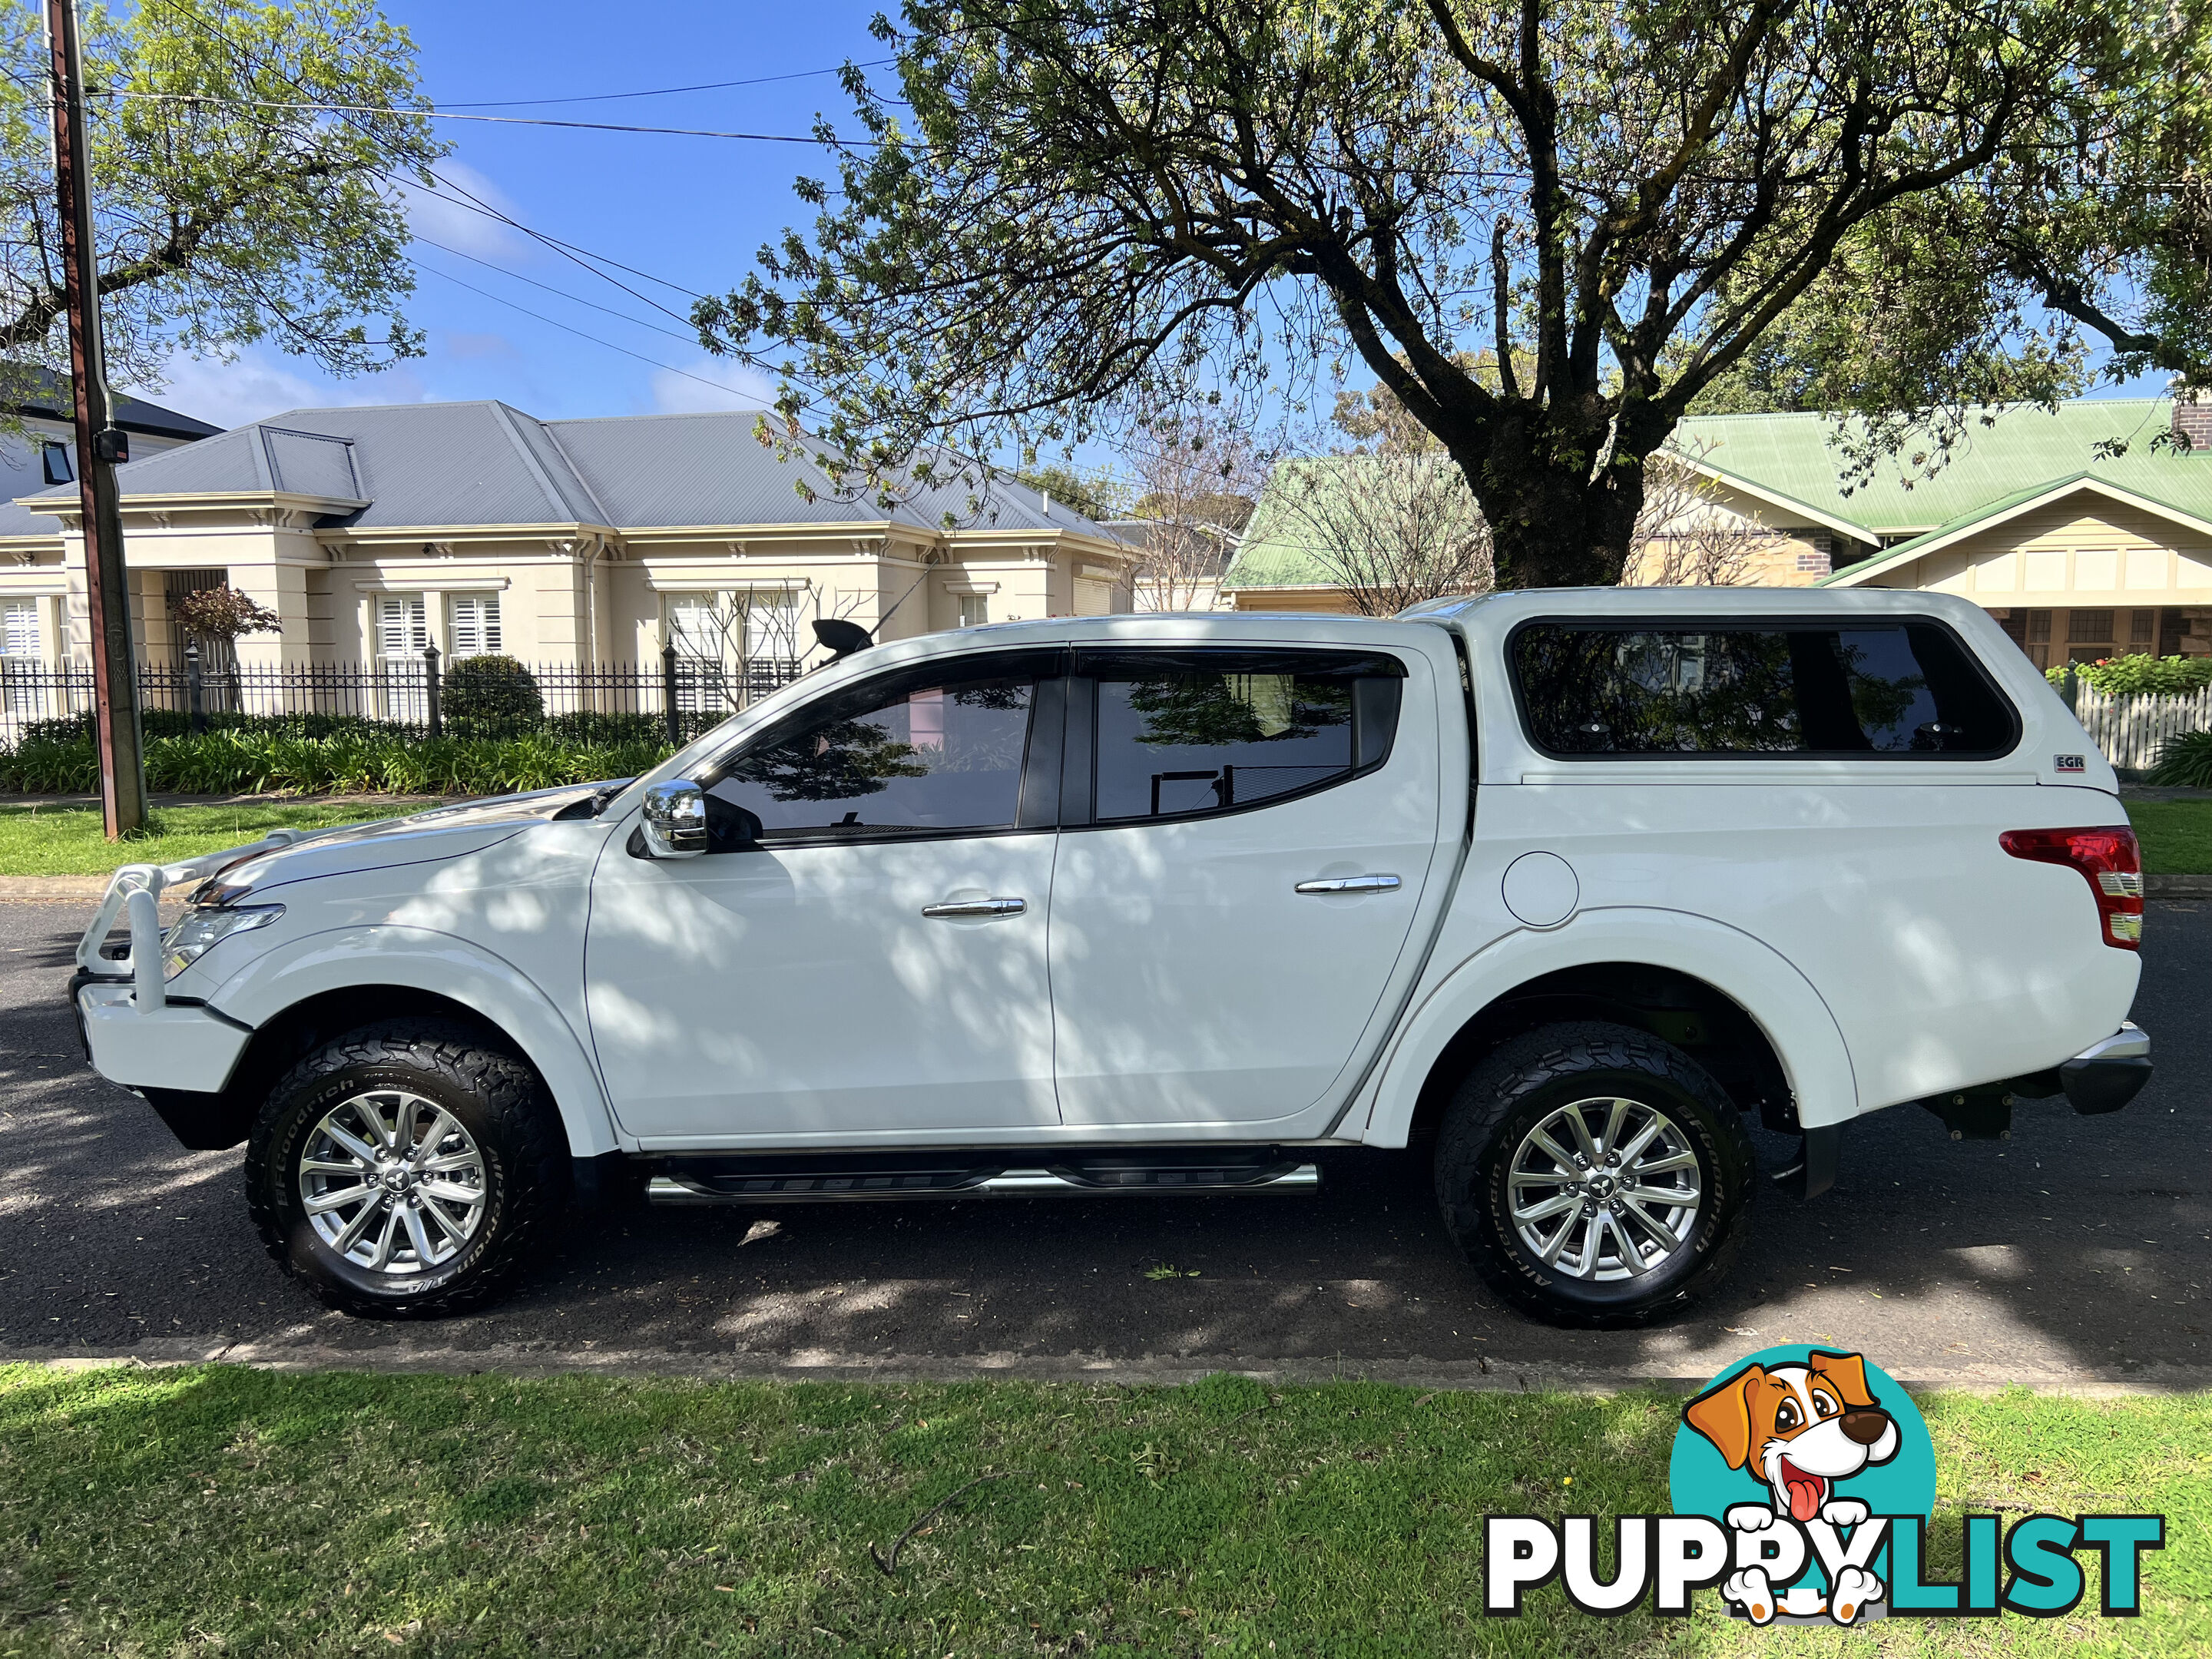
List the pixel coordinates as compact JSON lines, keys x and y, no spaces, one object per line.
{"x":2077,"y":1254}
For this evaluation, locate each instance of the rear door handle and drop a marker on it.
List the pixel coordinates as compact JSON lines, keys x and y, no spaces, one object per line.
{"x":982,"y":907}
{"x":1351,"y":885}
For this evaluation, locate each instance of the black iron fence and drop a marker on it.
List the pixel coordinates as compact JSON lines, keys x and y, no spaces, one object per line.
{"x":678,"y":696}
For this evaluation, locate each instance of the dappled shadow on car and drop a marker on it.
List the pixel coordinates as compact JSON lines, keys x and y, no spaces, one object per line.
{"x":2078,"y":1247}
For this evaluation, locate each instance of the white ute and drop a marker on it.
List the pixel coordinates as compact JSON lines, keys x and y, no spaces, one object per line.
{"x":1564,"y":884}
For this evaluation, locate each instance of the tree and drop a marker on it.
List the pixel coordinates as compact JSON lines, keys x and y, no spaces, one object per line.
{"x":1686,"y":536}
{"x":1095,"y":498}
{"x":221,"y":616}
{"x":1197,"y":474}
{"x":1615,"y":199}
{"x":1387,"y":518}
{"x":222,"y":216}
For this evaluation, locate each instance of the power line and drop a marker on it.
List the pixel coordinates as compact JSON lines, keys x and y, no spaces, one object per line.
{"x":578,"y":298}
{"x":501,"y":120}
{"x":569,"y":329}
{"x":665,"y":92}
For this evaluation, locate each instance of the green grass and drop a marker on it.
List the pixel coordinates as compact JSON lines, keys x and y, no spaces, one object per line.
{"x":242,"y":1512}
{"x":2176,"y":836}
{"x":71,"y":841}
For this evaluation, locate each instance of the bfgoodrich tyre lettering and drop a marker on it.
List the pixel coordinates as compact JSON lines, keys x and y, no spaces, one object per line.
{"x":406,"y":1170}
{"x":1594,"y":1175}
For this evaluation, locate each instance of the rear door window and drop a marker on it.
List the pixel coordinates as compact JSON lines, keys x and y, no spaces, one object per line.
{"x":1182,"y":734}
{"x":1858,"y":688}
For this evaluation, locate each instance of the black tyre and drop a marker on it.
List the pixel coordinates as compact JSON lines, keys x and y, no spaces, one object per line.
{"x":407,"y":1170}
{"x":1594,"y":1175}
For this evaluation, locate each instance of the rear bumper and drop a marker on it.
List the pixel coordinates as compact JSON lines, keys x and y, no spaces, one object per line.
{"x":2106,"y":1076}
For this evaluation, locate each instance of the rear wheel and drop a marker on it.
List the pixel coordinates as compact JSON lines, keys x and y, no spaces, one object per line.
{"x":1594,"y":1175}
{"x":406,"y":1170}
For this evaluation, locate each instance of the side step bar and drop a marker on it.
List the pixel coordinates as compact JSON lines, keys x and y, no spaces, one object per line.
{"x":728,"y":1186}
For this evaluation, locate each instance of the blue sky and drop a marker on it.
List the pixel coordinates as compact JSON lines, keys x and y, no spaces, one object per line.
{"x":692,"y":212}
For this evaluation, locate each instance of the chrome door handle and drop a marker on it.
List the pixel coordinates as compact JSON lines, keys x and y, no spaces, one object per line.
{"x":982,"y":907}
{"x":1351,"y":885}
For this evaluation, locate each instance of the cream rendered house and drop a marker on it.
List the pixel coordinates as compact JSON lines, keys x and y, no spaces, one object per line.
{"x":374,"y":533}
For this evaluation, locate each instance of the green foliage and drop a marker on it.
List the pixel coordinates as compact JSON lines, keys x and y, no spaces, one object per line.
{"x":2141,"y":675}
{"x":225,"y":214}
{"x":356,"y":761}
{"x":1096,"y":497}
{"x":2185,"y":760}
{"x":491,"y":689}
{"x":1545,"y":230}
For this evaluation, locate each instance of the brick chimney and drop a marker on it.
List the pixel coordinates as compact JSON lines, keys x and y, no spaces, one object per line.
{"x":2192,"y":420}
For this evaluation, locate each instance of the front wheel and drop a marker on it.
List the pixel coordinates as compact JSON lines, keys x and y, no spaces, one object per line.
{"x":406,"y":1170}
{"x":1594,"y":1175}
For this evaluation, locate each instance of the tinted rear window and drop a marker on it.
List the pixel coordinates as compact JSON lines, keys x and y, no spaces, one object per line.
{"x":1805,"y":689}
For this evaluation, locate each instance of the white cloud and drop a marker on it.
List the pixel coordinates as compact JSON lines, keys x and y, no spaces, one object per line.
{"x":735,"y":386}
{"x":258,"y":385}
{"x":443,"y":214}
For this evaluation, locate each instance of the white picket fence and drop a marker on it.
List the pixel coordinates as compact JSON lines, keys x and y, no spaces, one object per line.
{"x":2130,"y":729}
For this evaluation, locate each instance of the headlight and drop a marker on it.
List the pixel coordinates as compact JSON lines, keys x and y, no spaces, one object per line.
{"x":199,"y":928}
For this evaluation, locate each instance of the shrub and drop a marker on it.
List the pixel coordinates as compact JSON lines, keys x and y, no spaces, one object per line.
{"x":2185,"y":760}
{"x":243,"y":762}
{"x":2142,"y":675}
{"x":487,"y":689}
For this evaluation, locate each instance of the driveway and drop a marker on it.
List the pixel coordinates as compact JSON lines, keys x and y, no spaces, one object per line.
{"x":2076,"y":1254}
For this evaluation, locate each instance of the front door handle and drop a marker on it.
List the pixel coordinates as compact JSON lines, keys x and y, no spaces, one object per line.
{"x":1351,"y":885}
{"x":982,"y":907}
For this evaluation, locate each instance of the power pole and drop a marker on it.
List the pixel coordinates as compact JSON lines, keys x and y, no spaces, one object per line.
{"x":99,"y":447}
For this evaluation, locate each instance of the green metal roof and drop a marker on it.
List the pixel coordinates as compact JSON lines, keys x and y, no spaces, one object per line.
{"x":2025,"y":448}
{"x":1797,"y":462}
{"x":1272,"y":553}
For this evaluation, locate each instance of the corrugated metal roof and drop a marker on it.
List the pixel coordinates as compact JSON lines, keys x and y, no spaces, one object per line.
{"x":2022,"y":452}
{"x":2023,"y":445}
{"x":434,"y":464}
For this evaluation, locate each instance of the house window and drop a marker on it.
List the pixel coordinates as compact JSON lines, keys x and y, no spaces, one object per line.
{"x":2142,"y":628}
{"x":974,"y":609}
{"x":19,"y":629}
{"x":20,"y":652}
{"x":2038,"y":627}
{"x":475,"y":625}
{"x":58,"y":467}
{"x":2088,"y":627}
{"x":403,"y":626}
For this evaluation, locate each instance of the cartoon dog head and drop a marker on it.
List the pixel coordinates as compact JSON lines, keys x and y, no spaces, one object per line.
{"x":1800,"y":1428}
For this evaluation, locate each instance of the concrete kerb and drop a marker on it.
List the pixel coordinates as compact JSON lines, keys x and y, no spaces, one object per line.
{"x":1481,"y":1375}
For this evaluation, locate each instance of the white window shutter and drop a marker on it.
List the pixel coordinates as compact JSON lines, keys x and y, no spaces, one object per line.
{"x":476,"y":625}
{"x":19,"y":628}
{"x":403,"y":628}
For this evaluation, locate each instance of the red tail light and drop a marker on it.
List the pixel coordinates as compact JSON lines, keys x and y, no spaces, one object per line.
{"x":2107,"y":859}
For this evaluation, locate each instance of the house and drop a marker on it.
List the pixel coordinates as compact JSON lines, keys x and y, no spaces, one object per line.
{"x":43,"y":456}
{"x":374,"y":533}
{"x":1180,"y":561}
{"x":2082,"y":537}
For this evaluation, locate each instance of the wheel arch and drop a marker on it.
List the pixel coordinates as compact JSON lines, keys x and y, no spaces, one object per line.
{"x":1730,"y":1001}
{"x":318,"y":987}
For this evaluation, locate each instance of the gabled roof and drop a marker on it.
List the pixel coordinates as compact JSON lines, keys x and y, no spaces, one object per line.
{"x":1800,"y":458}
{"x":465,"y":464}
{"x":2030,"y":500}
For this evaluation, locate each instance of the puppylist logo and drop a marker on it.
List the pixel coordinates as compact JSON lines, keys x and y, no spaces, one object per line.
{"x":1802,"y":1480}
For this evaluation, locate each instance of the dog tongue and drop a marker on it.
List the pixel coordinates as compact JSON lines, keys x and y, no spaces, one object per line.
{"x":1804,"y":1496}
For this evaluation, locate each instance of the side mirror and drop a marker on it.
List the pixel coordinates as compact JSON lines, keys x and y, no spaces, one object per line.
{"x":675,"y":820}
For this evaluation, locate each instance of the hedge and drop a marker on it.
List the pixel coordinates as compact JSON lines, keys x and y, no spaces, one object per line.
{"x":241,"y":762}
{"x":2140,"y":675}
